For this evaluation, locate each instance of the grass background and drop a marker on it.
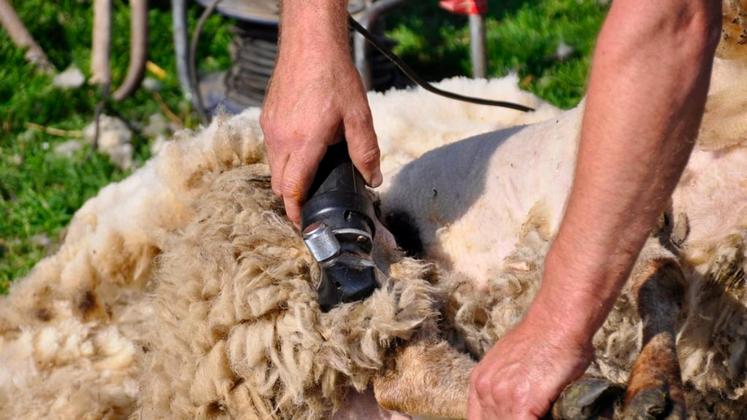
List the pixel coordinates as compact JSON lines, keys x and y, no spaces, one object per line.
{"x":40,"y":191}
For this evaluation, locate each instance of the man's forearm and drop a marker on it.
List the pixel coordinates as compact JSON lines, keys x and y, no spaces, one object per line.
{"x":646,"y":97}
{"x":313,"y":24}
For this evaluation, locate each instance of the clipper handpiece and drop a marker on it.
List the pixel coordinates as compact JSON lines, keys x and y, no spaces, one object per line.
{"x":338,"y":229}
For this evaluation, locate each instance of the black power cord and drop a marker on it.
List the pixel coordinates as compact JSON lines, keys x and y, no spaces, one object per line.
{"x":391,"y":56}
{"x":410,"y":73}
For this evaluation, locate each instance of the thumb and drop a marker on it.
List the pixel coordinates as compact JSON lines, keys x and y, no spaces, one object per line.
{"x":297,"y":177}
{"x":363,"y":145}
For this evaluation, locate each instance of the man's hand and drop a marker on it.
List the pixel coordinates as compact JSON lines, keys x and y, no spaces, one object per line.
{"x":315,"y":97}
{"x":521,"y":376}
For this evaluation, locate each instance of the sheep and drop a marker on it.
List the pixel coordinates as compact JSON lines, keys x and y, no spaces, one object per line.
{"x":182,"y":291}
{"x":77,"y":334}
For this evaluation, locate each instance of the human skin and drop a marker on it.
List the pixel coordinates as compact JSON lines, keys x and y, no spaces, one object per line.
{"x":315,"y":96}
{"x":645,"y":101}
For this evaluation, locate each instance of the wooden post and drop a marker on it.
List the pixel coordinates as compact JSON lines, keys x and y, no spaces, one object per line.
{"x":138,"y":49}
{"x":102,"y":40}
{"x":22,"y":38}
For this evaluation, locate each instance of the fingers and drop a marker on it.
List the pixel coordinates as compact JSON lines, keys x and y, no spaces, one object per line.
{"x":277,"y":168}
{"x":297,"y":176}
{"x":276,"y":156}
{"x":362,"y":144}
{"x":293,"y":162}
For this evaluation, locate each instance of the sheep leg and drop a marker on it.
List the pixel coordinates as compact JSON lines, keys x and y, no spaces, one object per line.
{"x":588,"y":397}
{"x":426,"y":378}
{"x":655,"y":385}
{"x":431,"y":379}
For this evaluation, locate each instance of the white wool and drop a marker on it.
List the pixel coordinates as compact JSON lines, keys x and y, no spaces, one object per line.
{"x":498,"y":177}
{"x":501,"y":176}
{"x":18,"y":366}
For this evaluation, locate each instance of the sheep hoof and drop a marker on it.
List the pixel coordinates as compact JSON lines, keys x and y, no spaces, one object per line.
{"x":654,"y":403}
{"x":588,"y":398}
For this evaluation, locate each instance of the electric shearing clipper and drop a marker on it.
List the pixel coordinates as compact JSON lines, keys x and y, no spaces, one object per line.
{"x":337,"y":223}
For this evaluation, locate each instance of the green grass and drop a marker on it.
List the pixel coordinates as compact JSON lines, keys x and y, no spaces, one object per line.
{"x":522,"y":36}
{"x":40,"y":191}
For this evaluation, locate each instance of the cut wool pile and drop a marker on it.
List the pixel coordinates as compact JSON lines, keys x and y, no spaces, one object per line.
{"x":237,"y":326}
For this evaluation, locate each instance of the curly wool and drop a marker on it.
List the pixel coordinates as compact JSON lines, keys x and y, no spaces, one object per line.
{"x":72,"y":331}
{"x":238,"y":328}
{"x":181,"y":291}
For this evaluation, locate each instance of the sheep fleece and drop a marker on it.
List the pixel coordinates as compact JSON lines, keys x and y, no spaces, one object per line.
{"x":227,"y":324}
{"x":183,"y":292}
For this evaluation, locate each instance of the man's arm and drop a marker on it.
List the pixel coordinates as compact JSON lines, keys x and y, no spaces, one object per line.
{"x":315,"y":97}
{"x":646,"y":96}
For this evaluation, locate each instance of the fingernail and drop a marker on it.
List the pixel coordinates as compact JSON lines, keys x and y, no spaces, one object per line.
{"x":377,"y":178}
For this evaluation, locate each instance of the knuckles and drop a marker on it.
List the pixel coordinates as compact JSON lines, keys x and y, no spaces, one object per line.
{"x":272,"y":131}
{"x":370,"y":156}
{"x":276,"y":130}
{"x":488,"y":387}
{"x":519,"y":400}
{"x":291,"y":189}
{"x":266,"y":121}
{"x":360,"y":116}
{"x":503,"y":393}
{"x":483,"y":385}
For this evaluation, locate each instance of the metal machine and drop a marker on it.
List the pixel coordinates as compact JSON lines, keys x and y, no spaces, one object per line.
{"x":255,"y":50}
{"x":337,"y":223}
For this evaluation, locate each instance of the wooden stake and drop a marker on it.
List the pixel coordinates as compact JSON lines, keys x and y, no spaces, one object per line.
{"x":22,"y":38}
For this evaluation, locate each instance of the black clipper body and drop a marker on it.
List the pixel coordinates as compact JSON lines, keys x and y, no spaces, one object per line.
{"x":338,"y":229}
